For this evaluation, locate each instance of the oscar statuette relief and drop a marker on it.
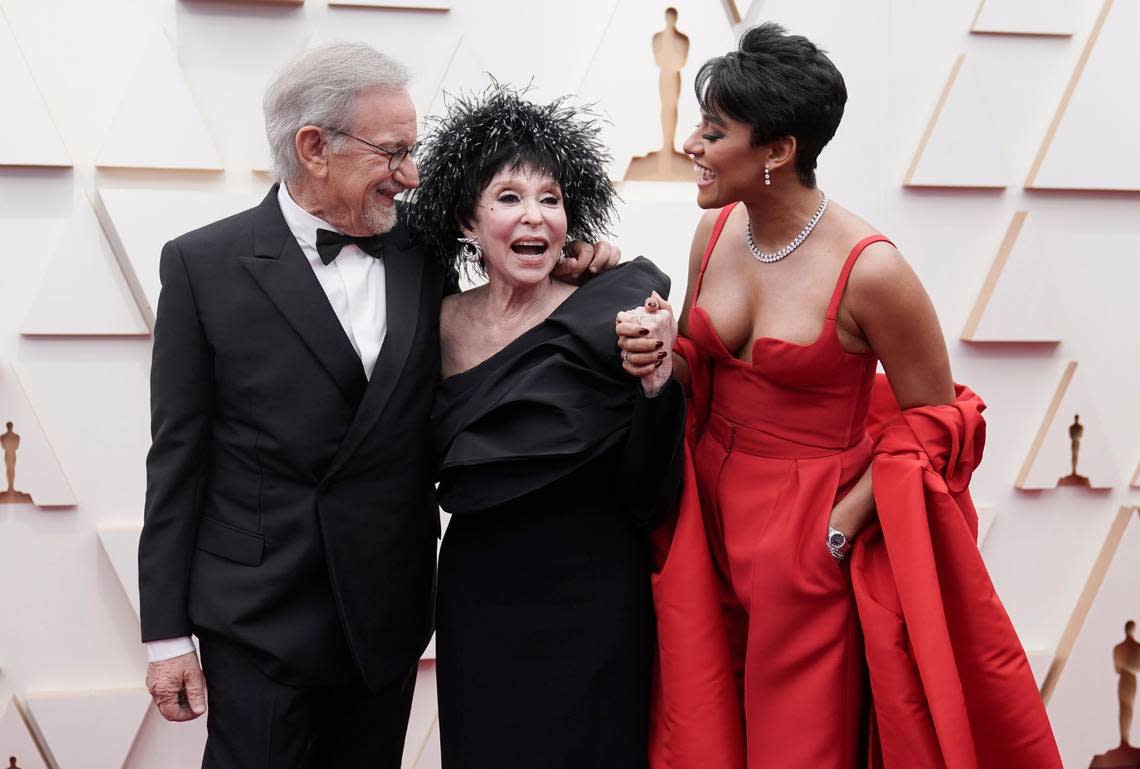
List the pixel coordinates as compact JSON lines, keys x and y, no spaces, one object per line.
{"x":670,"y":51}
{"x":1126,"y":660}
{"x":9,"y":442}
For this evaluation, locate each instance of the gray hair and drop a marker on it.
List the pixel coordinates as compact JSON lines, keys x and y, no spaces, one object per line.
{"x":319,"y":88}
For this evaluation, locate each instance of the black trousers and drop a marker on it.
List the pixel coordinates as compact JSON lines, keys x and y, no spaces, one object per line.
{"x":254,"y":722}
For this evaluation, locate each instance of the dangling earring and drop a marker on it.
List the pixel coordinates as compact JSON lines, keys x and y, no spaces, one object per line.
{"x":767,"y":176}
{"x":471,"y":249}
{"x":562,"y":255}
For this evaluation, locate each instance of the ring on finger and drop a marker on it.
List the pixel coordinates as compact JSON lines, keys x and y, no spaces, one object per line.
{"x":625,"y":355}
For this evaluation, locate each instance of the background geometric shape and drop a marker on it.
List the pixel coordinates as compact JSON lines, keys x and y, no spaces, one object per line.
{"x":1135,"y":483}
{"x":89,"y":729}
{"x":1049,"y":457}
{"x":623,"y":74}
{"x":415,"y":5}
{"x":464,"y":73}
{"x":84,"y":292}
{"x":986,"y":516}
{"x":1098,"y":103}
{"x":1024,"y":17}
{"x":158,"y":125}
{"x":166,"y":744}
{"x":424,"y":715}
{"x":1081,"y":688}
{"x":121,"y":544}
{"x":960,"y":147}
{"x":1017,"y":301}
{"x":140,"y":221}
{"x":28,"y":136}
{"x":16,"y":739}
{"x":38,"y":472}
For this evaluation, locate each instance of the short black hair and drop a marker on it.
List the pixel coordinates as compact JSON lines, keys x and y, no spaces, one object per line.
{"x":781,"y":85}
{"x":480,"y":135}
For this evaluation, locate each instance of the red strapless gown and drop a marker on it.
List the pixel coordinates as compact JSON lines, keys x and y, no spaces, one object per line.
{"x":784,"y":441}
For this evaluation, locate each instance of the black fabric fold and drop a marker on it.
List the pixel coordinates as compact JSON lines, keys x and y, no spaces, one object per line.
{"x":555,"y":399}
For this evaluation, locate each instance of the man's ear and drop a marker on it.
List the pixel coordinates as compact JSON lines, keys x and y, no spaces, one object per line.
{"x":312,"y":150}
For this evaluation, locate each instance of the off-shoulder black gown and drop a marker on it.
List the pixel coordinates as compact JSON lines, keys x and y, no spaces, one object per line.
{"x":553,"y":464}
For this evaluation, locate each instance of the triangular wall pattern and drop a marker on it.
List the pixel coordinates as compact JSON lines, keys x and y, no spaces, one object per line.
{"x":38,"y":472}
{"x":158,"y":124}
{"x":1024,"y":17}
{"x":424,"y":715}
{"x":1017,"y":301}
{"x":1096,"y":104}
{"x":1135,"y":483}
{"x":624,"y":74}
{"x":84,"y":292}
{"x":16,"y":739}
{"x":415,"y":5}
{"x":121,"y":544}
{"x":1050,"y":456}
{"x":163,"y":744}
{"x":89,"y":729}
{"x":140,"y":221}
{"x":959,"y":147}
{"x":986,"y":516}
{"x":28,"y":137}
{"x":463,"y":73}
{"x":1081,"y":688}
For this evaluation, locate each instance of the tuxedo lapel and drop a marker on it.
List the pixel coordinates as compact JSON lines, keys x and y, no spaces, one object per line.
{"x":404,"y":269}
{"x":281,"y":269}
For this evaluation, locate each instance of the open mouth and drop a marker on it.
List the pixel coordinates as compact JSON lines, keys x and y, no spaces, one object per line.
{"x":705,"y":177}
{"x":529,"y":247}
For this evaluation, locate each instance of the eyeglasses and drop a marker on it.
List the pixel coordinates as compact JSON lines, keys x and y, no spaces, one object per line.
{"x":395,"y":157}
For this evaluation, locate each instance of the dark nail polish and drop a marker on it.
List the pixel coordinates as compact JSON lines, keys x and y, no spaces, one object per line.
{"x":659,"y":345}
{"x":662,"y":354}
{"x":658,"y":364}
{"x":643,"y":332}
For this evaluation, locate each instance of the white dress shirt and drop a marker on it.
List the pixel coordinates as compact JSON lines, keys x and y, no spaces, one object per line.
{"x":354,"y":283}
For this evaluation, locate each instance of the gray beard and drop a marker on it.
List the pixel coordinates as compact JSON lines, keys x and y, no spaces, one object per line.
{"x":381,"y":220}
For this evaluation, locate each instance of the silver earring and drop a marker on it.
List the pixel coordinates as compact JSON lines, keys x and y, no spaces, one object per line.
{"x":562,"y":255}
{"x":767,"y":176}
{"x":471,"y":249}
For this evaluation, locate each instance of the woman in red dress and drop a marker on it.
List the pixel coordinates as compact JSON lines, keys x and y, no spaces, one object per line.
{"x":792,"y":302}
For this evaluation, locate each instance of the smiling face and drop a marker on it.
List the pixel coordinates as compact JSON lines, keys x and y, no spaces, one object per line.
{"x":728,"y":166}
{"x":520,"y":221}
{"x":359,"y":195}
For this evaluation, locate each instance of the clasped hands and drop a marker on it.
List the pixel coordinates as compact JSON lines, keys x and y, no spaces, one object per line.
{"x":645,"y":336}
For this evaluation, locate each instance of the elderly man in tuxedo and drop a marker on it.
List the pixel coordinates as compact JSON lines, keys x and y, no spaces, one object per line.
{"x":290,"y":517}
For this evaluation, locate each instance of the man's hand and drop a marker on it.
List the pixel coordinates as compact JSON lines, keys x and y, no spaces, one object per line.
{"x":177,"y":687}
{"x":584,"y":260}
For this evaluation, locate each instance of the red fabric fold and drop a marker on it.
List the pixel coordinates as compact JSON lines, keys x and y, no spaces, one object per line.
{"x":951,"y":687}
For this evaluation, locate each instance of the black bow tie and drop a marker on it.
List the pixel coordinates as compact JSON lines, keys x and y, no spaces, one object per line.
{"x":330,"y":243}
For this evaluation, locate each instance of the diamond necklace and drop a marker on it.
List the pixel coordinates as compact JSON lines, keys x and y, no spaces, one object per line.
{"x":775,"y":256}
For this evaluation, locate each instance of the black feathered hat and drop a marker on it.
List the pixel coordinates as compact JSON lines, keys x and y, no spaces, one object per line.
{"x":482,"y":133}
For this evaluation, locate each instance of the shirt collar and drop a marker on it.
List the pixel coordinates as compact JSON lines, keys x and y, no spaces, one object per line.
{"x":301,"y":223}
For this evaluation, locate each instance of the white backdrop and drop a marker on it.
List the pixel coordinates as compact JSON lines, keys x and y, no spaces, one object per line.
{"x":77,"y":338}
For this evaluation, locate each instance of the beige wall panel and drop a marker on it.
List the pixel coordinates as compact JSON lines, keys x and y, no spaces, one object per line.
{"x":623,"y":76}
{"x":28,"y":137}
{"x":16,"y":740}
{"x":1083,"y":703}
{"x":415,"y":5}
{"x":960,"y":147}
{"x":1050,"y":456}
{"x":161,"y":744}
{"x":121,"y":544}
{"x":84,"y":292}
{"x":38,"y":472}
{"x":89,"y":729}
{"x":158,"y":124}
{"x":1096,"y":105}
{"x":140,"y":221}
{"x":1024,"y":17}
{"x":1018,"y":301}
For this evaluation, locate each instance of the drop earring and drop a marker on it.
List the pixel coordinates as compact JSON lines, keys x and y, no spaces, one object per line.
{"x":471,"y":249}
{"x":767,"y":176}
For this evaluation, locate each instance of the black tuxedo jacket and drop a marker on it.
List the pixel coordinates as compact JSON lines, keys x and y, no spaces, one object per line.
{"x":289,"y":504}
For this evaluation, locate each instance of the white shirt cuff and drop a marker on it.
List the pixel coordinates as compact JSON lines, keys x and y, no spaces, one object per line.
{"x":168,"y":648}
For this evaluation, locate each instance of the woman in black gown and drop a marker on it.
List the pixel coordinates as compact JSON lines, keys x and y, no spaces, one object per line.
{"x":552,"y":461}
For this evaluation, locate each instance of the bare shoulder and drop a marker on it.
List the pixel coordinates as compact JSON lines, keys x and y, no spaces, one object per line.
{"x":701,"y":236}
{"x":882,"y":271}
{"x":454,"y":312}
